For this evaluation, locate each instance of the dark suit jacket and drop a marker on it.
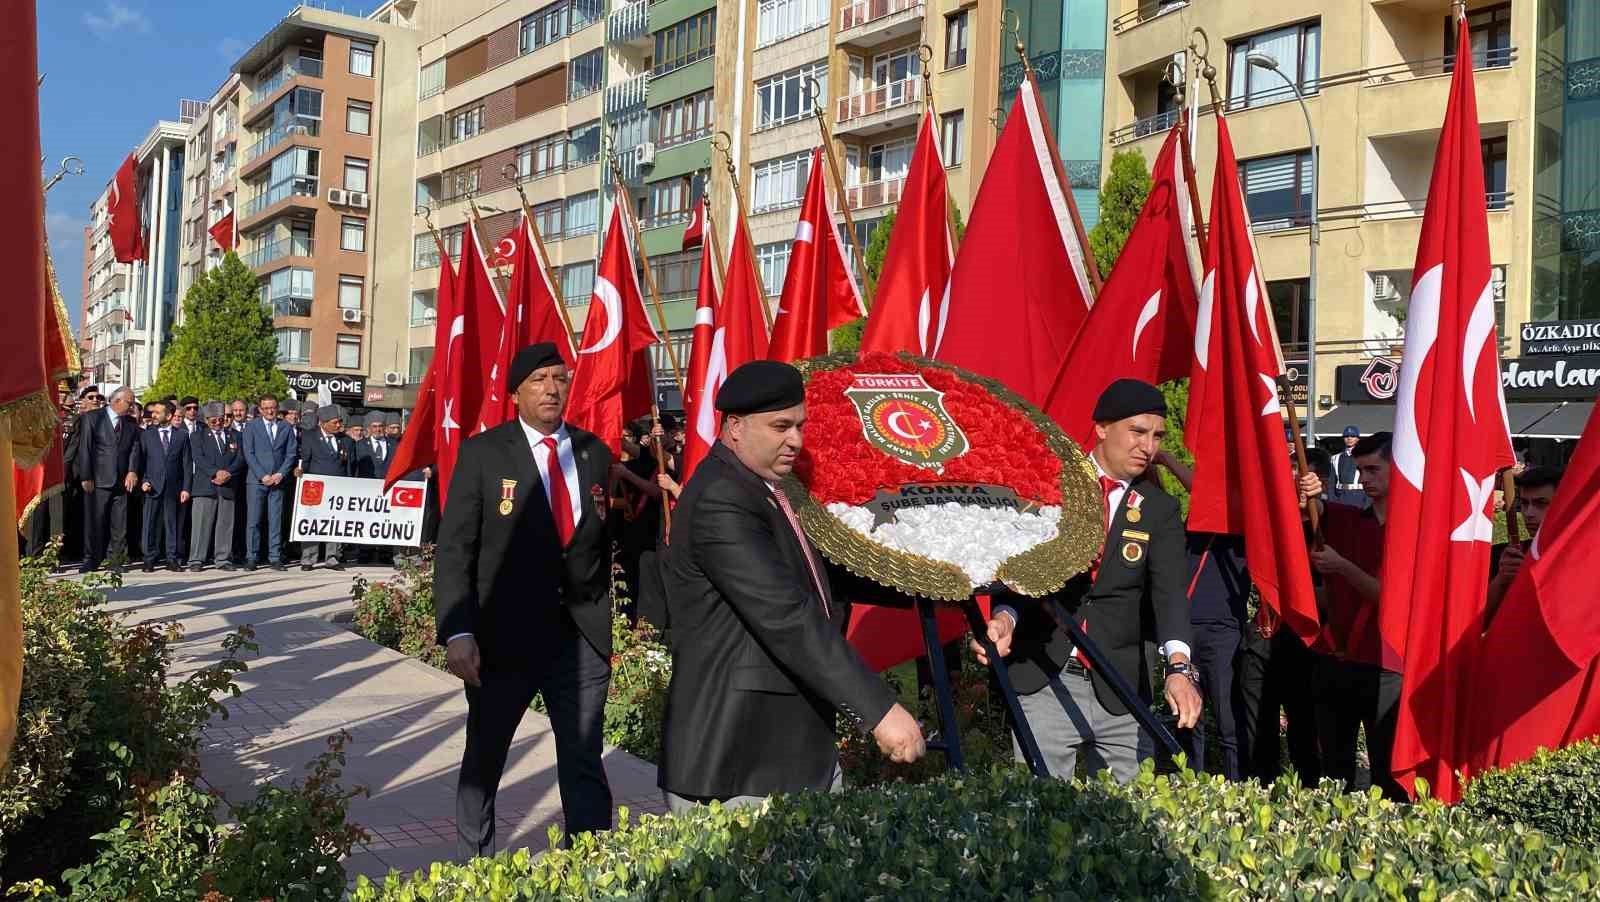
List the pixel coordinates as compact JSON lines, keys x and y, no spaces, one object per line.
{"x":264,"y":456}
{"x":167,"y":470}
{"x":107,"y":455}
{"x":208,"y":460}
{"x":362,"y":463}
{"x":1128,"y":603}
{"x":758,"y":670}
{"x":317,"y":459}
{"x":501,"y":576}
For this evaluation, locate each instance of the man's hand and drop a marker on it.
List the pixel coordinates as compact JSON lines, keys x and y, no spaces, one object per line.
{"x":1183,"y":698}
{"x":298,"y":473}
{"x":1327,"y":561}
{"x":129,"y":481}
{"x":899,"y":737}
{"x":183,"y":497}
{"x":221,"y":477}
{"x":146,"y":487}
{"x":1510,"y":564}
{"x":1310,"y":485}
{"x":1001,"y":627}
{"x":88,"y":485}
{"x":461,"y":658}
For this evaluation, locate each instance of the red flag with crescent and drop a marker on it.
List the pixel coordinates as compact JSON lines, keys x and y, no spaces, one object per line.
{"x":419,"y":445}
{"x":819,"y":289}
{"x":609,"y":386}
{"x":126,"y":226}
{"x":533,"y":314}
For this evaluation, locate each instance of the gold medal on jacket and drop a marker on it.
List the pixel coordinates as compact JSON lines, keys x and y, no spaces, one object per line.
{"x":508,"y":492}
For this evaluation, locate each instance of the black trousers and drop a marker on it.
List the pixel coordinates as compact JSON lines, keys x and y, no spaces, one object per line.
{"x":72,"y":507}
{"x":1351,"y":696}
{"x":1217,"y":646}
{"x":573,"y":679}
{"x":161,"y":527}
{"x":1276,"y":674}
{"x":105,"y":517}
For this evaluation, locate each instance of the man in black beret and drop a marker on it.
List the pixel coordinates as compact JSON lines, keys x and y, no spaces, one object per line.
{"x":1135,"y":589}
{"x":760,"y":666}
{"x":523,"y":596}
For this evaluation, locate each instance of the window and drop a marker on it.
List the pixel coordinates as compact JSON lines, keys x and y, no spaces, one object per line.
{"x":772,"y":262}
{"x":417,"y":364}
{"x":682,"y":120}
{"x":586,"y":73}
{"x":1494,"y":171}
{"x":294,"y":345}
{"x":630,"y":130}
{"x":789,"y":96}
{"x":542,"y":157}
{"x":583,"y":214}
{"x":583,"y":144}
{"x":577,"y":283}
{"x":951,"y":138}
{"x":358,"y":117}
{"x":687,"y":42}
{"x":1290,"y":311}
{"x":289,"y":291}
{"x":430,"y":79}
{"x":355,"y":174}
{"x":544,"y":26}
{"x":1298,"y":52}
{"x":350,"y":288}
{"x":353,"y":234}
{"x":464,"y":124}
{"x":672,"y":199}
{"x":349,"y":352}
{"x":895,"y":71}
{"x":424,"y":306}
{"x":1489,"y":30}
{"x":676,"y":274}
{"x":955,"y":40}
{"x":361,"y":58}
{"x":777,"y":20}
{"x":884,"y":162}
{"x":779,"y":183}
{"x":586,"y":13}
{"x":1277,"y":190}
{"x":547,"y":219}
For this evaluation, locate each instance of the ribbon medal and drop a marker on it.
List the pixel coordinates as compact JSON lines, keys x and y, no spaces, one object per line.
{"x":508,"y":492}
{"x":1134,"y":501}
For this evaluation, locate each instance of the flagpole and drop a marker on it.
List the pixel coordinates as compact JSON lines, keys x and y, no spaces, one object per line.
{"x":649,"y":274}
{"x":510,"y":172}
{"x":718,"y":266}
{"x":738,"y":199}
{"x":838,"y":180}
{"x":933,"y":118}
{"x":1186,"y":132}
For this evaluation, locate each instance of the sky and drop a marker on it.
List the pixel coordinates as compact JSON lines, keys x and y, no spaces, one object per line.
{"x":112,"y":69}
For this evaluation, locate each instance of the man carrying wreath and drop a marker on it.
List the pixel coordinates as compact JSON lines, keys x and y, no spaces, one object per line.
{"x":1135,"y":589}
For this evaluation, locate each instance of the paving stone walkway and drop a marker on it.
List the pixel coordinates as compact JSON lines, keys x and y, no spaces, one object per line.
{"x":313,"y":676}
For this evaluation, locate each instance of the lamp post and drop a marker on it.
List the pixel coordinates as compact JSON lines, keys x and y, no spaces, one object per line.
{"x":1263,"y":60}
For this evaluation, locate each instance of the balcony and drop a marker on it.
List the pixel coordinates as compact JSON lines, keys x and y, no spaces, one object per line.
{"x":280,"y":249}
{"x":1401,"y":208}
{"x":628,"y":96}
{"x":629,"y":23}
{"x":894,"y":105}
{"x":1410,"y":70}
{"x":298,"y":189}
{"x":298,"y":127}
{"x":1143,"y":11}
{"x":872,"y":23}
{"x":662,"y":220}
{"x":874,"y":194}
{"x":304,"y":67}
{"x":1144,"y":127}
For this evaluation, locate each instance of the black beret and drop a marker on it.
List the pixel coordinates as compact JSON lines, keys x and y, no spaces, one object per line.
{"x":187,"y":400}
{"x":533,"y":357}
{"x":1128,"y":398}
{"x":761,"y":386}
{"x":668,"y":422}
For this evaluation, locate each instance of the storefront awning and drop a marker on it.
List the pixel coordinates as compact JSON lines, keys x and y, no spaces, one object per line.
{"x":1563,"y":419}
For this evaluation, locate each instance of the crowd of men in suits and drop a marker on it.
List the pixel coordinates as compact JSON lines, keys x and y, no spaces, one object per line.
{"x":185,"y":485}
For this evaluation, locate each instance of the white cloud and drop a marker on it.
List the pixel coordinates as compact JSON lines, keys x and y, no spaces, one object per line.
{"x":116,"y":18}
{"x":231,"y":49}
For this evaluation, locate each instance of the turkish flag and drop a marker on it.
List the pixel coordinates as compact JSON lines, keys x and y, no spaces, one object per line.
{"x":1450,"y":441}
{"x":912,"y":298}
{"x":1243,"y":484}
{"x":1142,"y":325}
{"x":694,"y":234}
{"x":419,"y":445}
{"x":611,"y":384}
{"x":404,"y":496}
{"x":1020,"y":289}
{"x":707,"y":368}
{"x":122,"y":208}
{"x":469,"y":352}
{"x":1537,"y":679}
{"x":221,"y":232}
{"x":819,"y":291}
{"x":533,"y":314}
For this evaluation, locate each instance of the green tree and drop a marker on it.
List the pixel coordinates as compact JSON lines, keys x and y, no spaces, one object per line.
{"x":848,"y":336}
{"x":225,"y":347}
{"x":1176,"y":394}
{"x":1121,"y":199}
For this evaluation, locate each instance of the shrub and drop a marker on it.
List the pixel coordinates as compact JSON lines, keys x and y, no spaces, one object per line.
{"x":398,"y":612}
{"x":1003,"y":834}
{"x":1555,"y":791}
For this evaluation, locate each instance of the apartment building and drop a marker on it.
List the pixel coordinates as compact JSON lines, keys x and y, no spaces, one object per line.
{"x":130,"y":308}
{"x":211,"y":169}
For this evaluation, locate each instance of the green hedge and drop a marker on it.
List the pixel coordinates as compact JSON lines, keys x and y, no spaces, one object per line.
{"x":1558,"y":792}
{"x":1004,"y":834}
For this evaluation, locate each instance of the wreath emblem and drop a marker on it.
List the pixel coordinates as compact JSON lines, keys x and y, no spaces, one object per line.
{"x":904,"y":417}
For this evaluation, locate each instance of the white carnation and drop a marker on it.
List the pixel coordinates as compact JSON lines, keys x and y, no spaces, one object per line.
{"x":976,"y":539}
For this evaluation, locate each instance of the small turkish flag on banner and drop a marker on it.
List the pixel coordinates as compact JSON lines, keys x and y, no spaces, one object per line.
{"x":912,"y":297}
{"x":533,"y":314}
{"x":419,"y":445}
{"x":1450,"y":441}
{"x":1020,"y":288}
{"x":1142,"y":325}
{"x":1243,"y":484}
{"x":695,"y":232}
{"x":402,"y":496}
{"x":819,"y":291}
{"x":122,"y":208}
{"x":611,"y":384}
{"x":221,"y":232}
{"x":469,"y":350}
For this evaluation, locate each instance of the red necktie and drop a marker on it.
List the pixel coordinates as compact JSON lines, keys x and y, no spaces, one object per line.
{"x":805,"y":547}
{"x":560,"y":501}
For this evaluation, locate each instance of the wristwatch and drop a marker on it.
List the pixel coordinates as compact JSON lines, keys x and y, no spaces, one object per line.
{"x":1186,"y":669}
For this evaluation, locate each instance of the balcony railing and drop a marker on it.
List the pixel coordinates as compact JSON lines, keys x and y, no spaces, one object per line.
{"x":1144,"y":127}
{"x":300,"y":125}
{"x":1403,"y":208}
{"x":661,"y":220}
{"x":628,"y":22}
{"x":629,"y":95}
{"x":682,"y":138}
{"x":895,"y":94}
{"x":1144,"y":12}
{"x":304,"y":186}
{"x":303,"y":67}
{"x":874,"y":194}
{"x":277,"y":250}
{"x":1406,"y":70}
{"x":854,"y":15}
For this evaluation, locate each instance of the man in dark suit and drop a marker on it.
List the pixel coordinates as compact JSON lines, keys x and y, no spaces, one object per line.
{"x":213,"y":488}
{"x":326,"y":453}
{"x":523,"y":594}
{"x":270,"y":450}
{"x":73,"y":545}
{"x":108,"y":469}
{"x":1135,"y":590}
{"x":165,"y":482}
{"x":760,"y":666}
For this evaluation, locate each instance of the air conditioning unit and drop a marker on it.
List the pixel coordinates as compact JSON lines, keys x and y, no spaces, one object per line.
{"x":1383,"y":287}
{"x":336,"y":196}
{"x":357,"y":199}
{"x":393,"y":378}
{"x":351,"y":314}
{"x":645,"y":154}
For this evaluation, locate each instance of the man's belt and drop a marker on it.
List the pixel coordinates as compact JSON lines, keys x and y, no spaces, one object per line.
{"x":1348,"y":486}
{"x":1075,"y":667}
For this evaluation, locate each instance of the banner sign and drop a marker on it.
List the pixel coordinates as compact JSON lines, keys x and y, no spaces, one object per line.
{"x":1548,"y":377}
{"x":1576,"y":336}
{"x":344,"y":389}
{"x":357,"y":512}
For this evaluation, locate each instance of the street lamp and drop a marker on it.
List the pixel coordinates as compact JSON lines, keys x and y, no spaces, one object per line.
{"x":1263,"y":60}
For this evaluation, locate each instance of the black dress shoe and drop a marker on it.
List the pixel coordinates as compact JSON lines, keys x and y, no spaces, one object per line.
{"x":175,"y":567}
{"x":279,"y":567}
{"x":229,"y":566}
{"x":305,"y":567}
{"x":196,"y":568}
{"x":336,"y":565}
{"x":148,"y":568}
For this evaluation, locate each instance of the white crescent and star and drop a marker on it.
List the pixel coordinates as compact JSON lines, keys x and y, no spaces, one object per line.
{"x":1148,"y":313}
{"x":1422,"y":330}
{"x":892,"y":422}
{"x":611,"y":299}
{"x":1477,"y":527}
{"x":1202,"y":323}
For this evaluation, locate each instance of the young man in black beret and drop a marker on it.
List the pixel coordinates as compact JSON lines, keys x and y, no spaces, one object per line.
{"x":1135,"y":589}
{"x":523,"y":597}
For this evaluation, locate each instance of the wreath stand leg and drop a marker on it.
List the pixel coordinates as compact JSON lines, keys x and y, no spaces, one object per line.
{"x":950,"y":743}
{"x":1002,"y":676}
{"x":1104,"y":669}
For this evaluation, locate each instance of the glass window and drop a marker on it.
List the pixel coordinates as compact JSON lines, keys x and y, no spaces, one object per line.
{"x":294,"y":345}
{"x":1489,"y":30}
{"x":424,"y":306}
{"x":955,"y":40}
{"x":672,"y":199}
{"x":586,"y":13}
{"x":289,"y":291}
{"x":358,"y":118}
{"x":789,"y":96}
{"x":1277,"y":190}
{"x":544,"y":26}
{"x":583,"y":214}
{"x":772,"y":262}
{"x":355,"y":174}
{"x":686,"y":42}
{"x":547,"y":219}
{"x":583,"y":144}
{"x":1297,"y":50}
{"x":779,"y":183}
{"x":464,"y":124}
{"x":542,"y":157}
{"x":586,"y":73}
{"x":417,"y":364}
{"x":676,"y":274}
{"x":1290,"y":311}
{"x":577,"y":283}
{"x":353,"y":234}
{"x":682,"y":120}
{"x":430,"y":79}
{"x":886,"y":162}
{"x":350,"y":292}
{"x":1494,"y":172}
{"x":349,"y":352}
{"x":361,"y":58}
{"x":952,"y":147}
{"x":777,"y":20}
